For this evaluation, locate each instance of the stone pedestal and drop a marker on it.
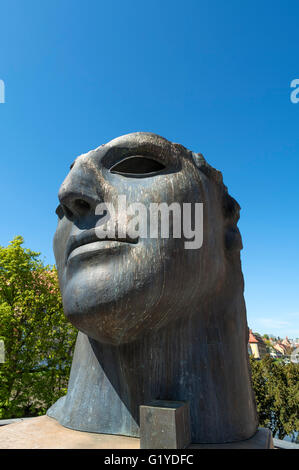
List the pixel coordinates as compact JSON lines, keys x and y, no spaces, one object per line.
{"x":46,"y":433}
{"x":165,"y":425}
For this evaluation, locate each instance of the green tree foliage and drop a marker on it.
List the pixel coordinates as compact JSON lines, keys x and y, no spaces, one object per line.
{"x":276,"y":387}
{"x":38,"y":340}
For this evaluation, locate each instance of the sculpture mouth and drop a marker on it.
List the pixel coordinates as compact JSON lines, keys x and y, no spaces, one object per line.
{"x":88,"y":237}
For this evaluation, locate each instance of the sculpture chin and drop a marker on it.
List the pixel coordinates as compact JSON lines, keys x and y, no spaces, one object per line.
{"x":126,"y":308}
{"x":102,"y":332}
{"x":114,"y":313}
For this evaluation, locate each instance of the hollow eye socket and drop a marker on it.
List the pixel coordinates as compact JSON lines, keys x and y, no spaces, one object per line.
{"x":138,"y":166}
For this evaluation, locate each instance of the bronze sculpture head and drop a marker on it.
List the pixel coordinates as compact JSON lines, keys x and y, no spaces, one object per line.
{"x":157,"y":320}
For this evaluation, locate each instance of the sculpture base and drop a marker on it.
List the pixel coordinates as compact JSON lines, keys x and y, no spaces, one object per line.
{"x":261,"y":440}
{"x":46,"y":433}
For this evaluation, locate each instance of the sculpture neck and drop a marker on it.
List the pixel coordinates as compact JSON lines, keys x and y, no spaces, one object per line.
{"x":187,"y":361}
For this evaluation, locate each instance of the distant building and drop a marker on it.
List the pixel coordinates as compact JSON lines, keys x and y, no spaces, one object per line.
{"x":286,"y":342}
{"x":280,"y":348}
{"x":274,"y":354}
{"x":257,"y":346}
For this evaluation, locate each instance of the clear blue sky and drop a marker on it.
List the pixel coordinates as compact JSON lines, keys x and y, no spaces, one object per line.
{"x":213,"y":76}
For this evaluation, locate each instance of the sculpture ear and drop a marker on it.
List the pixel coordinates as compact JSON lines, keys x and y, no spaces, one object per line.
{"x":230,"y":207}
{"x":233,"y":239}
{"x":231,"y":212}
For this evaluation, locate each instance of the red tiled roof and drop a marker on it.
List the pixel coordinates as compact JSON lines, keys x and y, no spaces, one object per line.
{"x":252,"y":338}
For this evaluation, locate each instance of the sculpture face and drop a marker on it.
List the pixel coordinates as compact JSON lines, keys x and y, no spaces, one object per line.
{"x":117,"y":290}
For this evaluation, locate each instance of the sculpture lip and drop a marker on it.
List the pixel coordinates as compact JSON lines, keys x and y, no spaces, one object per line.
{"x":90,"y":236}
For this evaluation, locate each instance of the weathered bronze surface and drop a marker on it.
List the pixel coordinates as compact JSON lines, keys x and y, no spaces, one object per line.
{"x":157,"y":321}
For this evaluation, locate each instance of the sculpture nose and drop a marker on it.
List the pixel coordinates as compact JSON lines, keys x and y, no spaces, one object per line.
{"x":78,"y":195}
{"x":76,"y":205}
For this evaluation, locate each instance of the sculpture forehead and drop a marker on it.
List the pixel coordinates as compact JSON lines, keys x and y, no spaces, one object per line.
{"x":144,"y":143}
{"x":139,"y":138}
